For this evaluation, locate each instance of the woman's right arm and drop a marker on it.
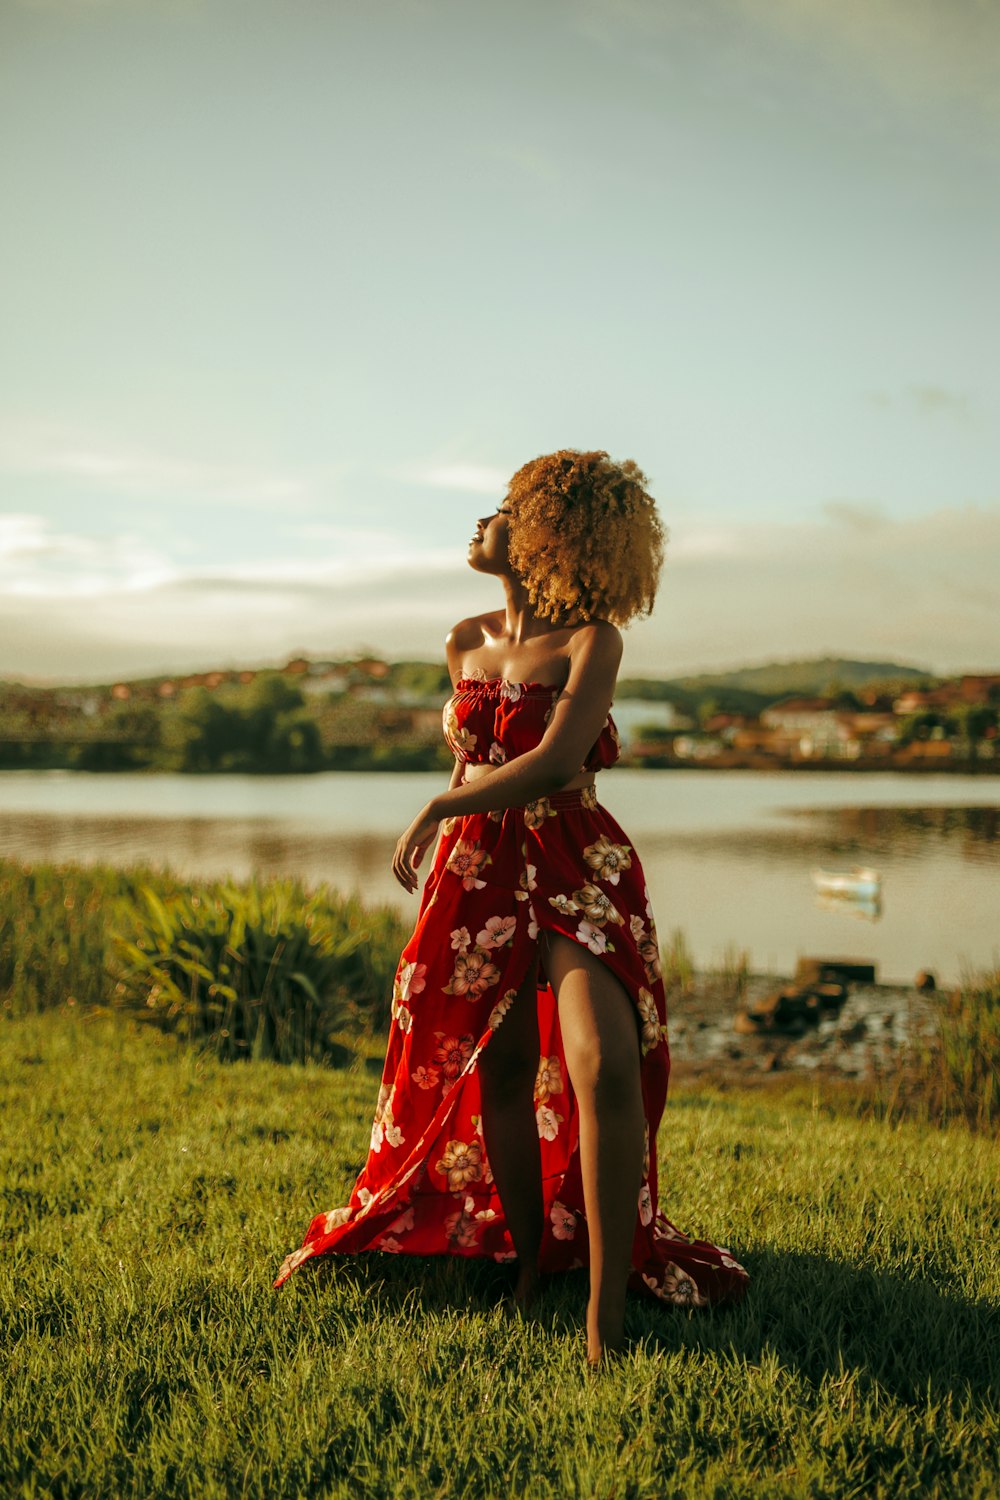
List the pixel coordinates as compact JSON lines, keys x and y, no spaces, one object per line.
{"x":456,"y":643}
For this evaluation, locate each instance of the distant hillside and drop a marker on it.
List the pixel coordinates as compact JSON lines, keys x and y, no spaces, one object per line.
{"x":748,"y":689}
{"x":780,"y":677}
{"x":740,"y":689}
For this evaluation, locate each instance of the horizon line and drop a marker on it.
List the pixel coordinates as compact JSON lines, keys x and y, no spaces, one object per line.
{"x":393,"y":658}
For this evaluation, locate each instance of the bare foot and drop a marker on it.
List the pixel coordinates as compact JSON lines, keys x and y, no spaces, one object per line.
{"x":526,"y":1293}
{"x":605,"y":1336}
{"x":599,"y":1354}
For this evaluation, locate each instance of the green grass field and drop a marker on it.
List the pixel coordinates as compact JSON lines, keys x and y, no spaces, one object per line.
{"x":149,"y":1194}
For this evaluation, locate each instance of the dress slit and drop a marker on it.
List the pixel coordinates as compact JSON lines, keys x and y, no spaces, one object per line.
{"x":498,"y":880}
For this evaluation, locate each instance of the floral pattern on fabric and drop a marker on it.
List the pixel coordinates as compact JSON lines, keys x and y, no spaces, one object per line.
{"x":467,"y":860}
{"x":608,"y":860}
{"x":462,"y":741}
{"x":489,"y":722}
{"x":461,"y":1163}
{"x":496,"y":883}
{"x":536,"y":812}
{"x":549,"y":1079}
{"x":472,"y":975}
{"x":596,"y":906}
{"x":384,"y":1128}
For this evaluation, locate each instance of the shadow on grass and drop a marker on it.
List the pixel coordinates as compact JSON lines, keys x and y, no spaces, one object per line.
{"x":395,"y":1284}
{"x":821,"y":1317}
{"x":825,"y":1317}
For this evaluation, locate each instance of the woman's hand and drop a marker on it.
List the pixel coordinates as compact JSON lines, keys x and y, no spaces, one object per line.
{"x":411,"y":846}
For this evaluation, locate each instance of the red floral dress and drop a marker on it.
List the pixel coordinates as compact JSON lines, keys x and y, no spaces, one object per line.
{"x":563,"y":864}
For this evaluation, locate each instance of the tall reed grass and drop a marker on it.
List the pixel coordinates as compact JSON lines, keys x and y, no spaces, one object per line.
{"x":965,"y":1064}
{"x":733,"y":972}
{"x":54,"y":923}
{"x":248,"y":970}
{"x":678,"y":964}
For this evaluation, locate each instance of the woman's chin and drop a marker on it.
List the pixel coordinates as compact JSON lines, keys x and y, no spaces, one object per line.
{"x":482,"y":561}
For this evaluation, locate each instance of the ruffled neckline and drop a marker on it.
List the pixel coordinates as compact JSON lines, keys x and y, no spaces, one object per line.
{"x":505,"y":682}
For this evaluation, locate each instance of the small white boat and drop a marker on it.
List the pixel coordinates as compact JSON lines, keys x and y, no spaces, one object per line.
{"x":867,"y":908}
{"x":858,"y":884}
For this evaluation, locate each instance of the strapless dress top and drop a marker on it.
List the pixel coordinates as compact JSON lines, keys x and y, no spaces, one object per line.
{"x":491,"y":721}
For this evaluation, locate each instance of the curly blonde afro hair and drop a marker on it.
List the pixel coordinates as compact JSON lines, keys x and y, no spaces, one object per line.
{"x":585,"y":538}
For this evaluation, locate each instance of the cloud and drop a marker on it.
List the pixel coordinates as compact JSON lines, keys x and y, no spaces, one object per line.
{"x":923,"y":589}
{"x":855,"y":581}
{"x":857,"y":515}
{"x":25,"y":538}
{"x":389,"y":568}
{"x":472,"y":479}
{"x":715,"y":541}
{"x":39,"y":562}
{"x":141,"y":472}
{"x":192,"y":621}
{"x":934,"y":400}
{"x":917,"y":52}
{"x":353,"y":538}
{"x":925,"y":401}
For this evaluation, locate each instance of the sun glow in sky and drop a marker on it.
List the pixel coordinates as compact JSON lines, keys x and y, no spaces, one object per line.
{"x":289,"y":290}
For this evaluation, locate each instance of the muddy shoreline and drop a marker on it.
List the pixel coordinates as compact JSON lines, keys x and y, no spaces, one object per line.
{"x":877,"y":1029}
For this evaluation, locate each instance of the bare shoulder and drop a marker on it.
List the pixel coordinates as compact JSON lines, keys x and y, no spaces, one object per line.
{"x":598,"y":643}
{"x":468,"y":635}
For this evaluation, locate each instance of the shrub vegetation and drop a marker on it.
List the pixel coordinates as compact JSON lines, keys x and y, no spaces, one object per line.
{"x":253,"y":970}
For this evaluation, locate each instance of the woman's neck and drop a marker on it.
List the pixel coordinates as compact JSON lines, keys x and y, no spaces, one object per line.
{"x":520,"y":620}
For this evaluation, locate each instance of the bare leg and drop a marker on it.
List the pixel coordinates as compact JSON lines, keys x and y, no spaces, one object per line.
{"x":601,"y":1042}
{"x":507,"y":1072}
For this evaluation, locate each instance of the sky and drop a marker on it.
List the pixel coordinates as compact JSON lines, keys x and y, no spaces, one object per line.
{"x":289,"y":289}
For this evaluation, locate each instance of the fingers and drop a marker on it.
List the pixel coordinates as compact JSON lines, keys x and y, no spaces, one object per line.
{"x":409,"y":853}
{"x":399,"y":869}
{"x":402,"y":867}
{"x":397,"y":864}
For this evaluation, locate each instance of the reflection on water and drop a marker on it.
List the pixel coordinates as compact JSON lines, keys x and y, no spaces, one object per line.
{"x":868,"y":908}
{"x":213,"y":847}
{"x":728,"y":856}
{"x":973,"y":832}
{"x":842,"y":834}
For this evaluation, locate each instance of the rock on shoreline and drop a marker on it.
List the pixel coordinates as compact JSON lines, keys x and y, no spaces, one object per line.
{"x":717,"y":1027}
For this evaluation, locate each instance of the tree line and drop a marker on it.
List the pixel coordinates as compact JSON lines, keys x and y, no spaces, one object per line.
{"x":267,"y":726}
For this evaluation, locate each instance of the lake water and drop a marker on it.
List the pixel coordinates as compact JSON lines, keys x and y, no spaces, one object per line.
{"x":727,"y":854}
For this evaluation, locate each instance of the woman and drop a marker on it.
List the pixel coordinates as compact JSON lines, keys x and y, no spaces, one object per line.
{"x":527,"y":1064}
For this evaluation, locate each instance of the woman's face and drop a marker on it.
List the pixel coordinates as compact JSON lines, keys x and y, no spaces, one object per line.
{"x":488,"y":546}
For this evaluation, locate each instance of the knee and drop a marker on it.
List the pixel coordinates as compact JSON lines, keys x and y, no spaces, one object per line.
{"x":607,"y":1079}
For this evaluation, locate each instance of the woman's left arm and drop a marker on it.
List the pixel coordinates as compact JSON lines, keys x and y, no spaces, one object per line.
{"x":578,"y":716}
